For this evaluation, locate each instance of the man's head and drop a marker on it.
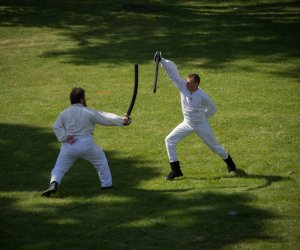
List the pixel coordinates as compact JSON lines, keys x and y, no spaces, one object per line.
{"x":78,"y":96}
{"x":192,"y":82}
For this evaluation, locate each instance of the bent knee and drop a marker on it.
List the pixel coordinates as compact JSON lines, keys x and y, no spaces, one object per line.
{"x":169,"y":139}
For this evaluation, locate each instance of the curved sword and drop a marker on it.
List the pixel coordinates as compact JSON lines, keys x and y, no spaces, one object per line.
{"x":136,"y":84}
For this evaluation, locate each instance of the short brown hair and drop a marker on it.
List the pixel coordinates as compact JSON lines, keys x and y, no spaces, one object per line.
{"x":195,"y":78}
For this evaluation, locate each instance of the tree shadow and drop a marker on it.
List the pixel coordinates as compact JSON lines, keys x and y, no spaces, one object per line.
{"x":28,"y":155}
{"x":83,"y":217}
{"x":117,"y":32}
{"x":148,"y":219}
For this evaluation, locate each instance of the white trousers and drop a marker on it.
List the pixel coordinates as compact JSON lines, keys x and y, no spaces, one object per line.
{"x":203,"y":130}
{"x":83,"y":148}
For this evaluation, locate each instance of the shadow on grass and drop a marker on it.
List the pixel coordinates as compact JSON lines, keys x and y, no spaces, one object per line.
{"x":127,"y":217}
{"x":28,"y":155}
{"x":210,"y":32}
{"x":144,"y":220}
{"x":267,"y":180}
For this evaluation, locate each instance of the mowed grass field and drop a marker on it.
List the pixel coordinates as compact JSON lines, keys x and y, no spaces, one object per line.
{"x":247,"y":54}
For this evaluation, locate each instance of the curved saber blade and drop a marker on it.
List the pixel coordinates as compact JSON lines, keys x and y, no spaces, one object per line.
{"x":136,"y":84}
{"x":155,"y":75}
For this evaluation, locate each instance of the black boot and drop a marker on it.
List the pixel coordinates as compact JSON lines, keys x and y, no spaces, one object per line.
{"x":175,"y":171}
{"x":51,"y":190}
{"x":230,"y":165}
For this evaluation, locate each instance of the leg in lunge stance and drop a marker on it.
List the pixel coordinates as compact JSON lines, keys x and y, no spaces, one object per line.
{"x":97,"y":157}
{"x":178,"y":134}
{"x":62,"y":166}
{"x":205,"y":132}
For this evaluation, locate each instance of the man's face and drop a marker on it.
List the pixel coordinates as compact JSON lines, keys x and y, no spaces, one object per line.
{"x":191,"y":84}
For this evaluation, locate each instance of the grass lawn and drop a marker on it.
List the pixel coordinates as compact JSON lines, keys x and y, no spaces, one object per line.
{"x":248,"y":56}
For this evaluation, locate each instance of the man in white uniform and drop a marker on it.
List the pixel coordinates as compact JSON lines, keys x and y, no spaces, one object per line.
{"x":74,"y":128}
{"x":197,"y":107}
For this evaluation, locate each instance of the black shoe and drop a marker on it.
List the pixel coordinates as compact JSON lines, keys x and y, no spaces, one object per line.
{"x":107,"y":188}
{"x":230,"y":165}
{"x":175,"y":171}
{"x":51,"y":190}
{"x":173,"y":174}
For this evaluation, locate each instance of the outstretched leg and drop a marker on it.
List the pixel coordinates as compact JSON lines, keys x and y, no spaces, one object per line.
{"x":63,"y":164}
{"x":205,"y":132}
{"x":97,"y":157}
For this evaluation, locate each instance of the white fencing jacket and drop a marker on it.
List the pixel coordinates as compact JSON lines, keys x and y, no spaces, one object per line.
{"x":196,"y":106}
{"x":80,"y":120}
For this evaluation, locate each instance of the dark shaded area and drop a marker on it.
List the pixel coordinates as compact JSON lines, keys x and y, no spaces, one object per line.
{"x":93,"y":223}
{"x":27,"y":155}
{"x":129,"y":32}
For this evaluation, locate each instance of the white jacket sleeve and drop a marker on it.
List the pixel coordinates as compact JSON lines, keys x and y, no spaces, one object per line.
{"x":59,"y":129}
{"x":107,"y":119}
{"x":172,"y":71}
{"x":210,"y":107}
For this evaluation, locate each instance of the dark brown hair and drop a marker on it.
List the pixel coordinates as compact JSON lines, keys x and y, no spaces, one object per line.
{"x":76,"y":95}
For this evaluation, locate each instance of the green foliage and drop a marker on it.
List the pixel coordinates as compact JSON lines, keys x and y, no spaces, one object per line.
{"x":247,"y":54}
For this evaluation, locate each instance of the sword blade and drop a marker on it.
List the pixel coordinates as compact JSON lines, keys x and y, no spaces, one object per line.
{"x":135,"y":90}
{"x":155,"y":75}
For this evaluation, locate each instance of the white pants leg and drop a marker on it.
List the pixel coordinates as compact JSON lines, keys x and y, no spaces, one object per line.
{"x":97,"y":157}
{"x":178,"y":133}
{"x":205,"y":132}
{"x":63,"y":163}
{"x":84,"y":148}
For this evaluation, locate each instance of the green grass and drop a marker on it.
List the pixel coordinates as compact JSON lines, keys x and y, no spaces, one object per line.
{"x":248,"y":56}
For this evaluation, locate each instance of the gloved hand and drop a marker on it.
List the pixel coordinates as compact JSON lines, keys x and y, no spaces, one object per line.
{"x":127,"y":120}
{"x":157,"y":56}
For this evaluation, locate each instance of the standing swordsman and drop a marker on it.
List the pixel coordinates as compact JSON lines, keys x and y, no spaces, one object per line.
{"x":74,"y":128}
{"x":197,"y":107}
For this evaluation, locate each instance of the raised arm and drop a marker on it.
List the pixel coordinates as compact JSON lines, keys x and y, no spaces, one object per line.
{"x":171,"y":70}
